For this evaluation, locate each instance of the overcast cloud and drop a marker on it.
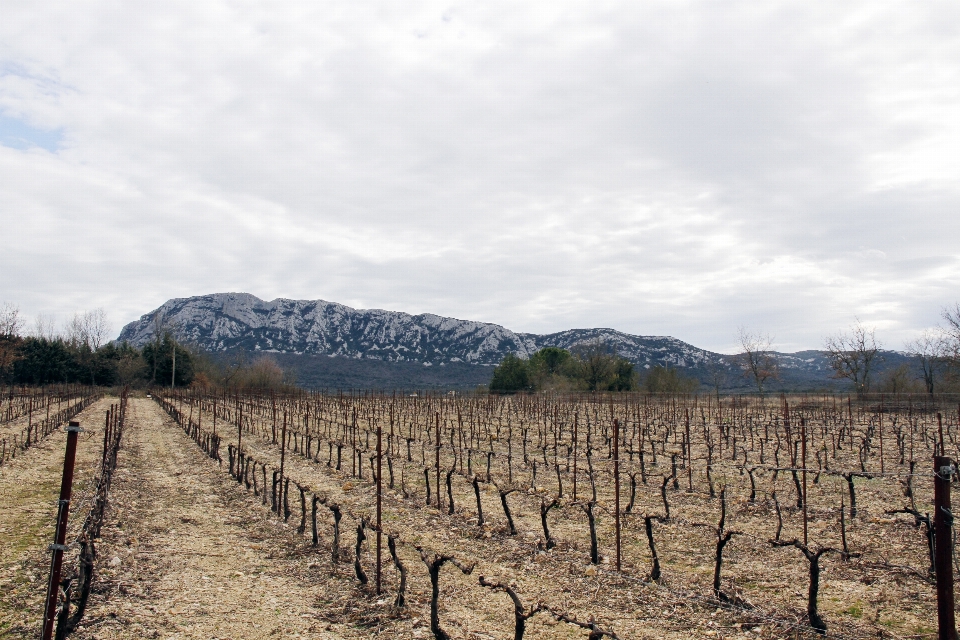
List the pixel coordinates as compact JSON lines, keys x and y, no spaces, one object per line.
{"x":674,"y":168}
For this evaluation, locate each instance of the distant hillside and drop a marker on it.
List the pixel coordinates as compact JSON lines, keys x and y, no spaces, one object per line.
{"x":330,"y":345}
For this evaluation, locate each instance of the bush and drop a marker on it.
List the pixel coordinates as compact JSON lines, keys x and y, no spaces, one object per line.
{"x":590,"y":368}
{"x":897,"y":380}
{"x":661,"y":379}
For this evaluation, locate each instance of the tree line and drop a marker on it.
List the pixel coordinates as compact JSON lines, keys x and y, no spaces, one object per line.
{"x":81,"y":353}
{"x":589,"y":367}
{"x":855,"y":358}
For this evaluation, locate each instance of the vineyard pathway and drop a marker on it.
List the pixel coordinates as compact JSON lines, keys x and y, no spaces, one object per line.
{"x":184,"y":556}
{"x":29,"y":486}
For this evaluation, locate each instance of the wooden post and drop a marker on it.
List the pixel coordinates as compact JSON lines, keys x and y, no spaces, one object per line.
{"x":943,"y":524}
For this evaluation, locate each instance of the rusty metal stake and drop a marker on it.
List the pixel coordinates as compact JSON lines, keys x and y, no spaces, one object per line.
{"x":283,"y":454}
{"x":575,"y":417}
{"x":379,"y":497}
{"x":803,"y":463}
{"x":616,"y":483}
{"x":439,"y":495}
{"x":58,"y":546}
{"x":239,"y":424}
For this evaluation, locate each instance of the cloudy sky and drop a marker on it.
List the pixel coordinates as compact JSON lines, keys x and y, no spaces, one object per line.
{"x":675,"y":168}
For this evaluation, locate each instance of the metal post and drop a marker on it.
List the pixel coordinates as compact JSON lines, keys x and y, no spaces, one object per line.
{"x":940,"y":425}
{"x":283,"y":455}
{"x":106,"y":439}
{"x":439,"y":501}
{"x":943,"y":525}
{"x":616,"y":483}
{"x":689,"y":452}
{"x":58,"y":547}
{"x":379,"y":496}
{"x":803,"y":464}
{"x":575,"y":451}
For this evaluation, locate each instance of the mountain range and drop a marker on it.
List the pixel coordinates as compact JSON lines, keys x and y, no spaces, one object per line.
{"x":328,"y":344}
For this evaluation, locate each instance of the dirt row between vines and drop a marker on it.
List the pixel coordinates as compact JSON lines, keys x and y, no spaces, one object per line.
{"x":183,"y":554}
{"x":29,"y":489}
{"x":187,"y":552}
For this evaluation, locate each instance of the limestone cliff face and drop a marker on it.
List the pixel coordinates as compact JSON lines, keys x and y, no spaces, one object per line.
{"x":226,"y":321}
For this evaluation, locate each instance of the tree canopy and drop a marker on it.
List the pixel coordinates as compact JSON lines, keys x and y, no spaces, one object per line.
{"x":511,"y":375}
{"x":592,"y":367}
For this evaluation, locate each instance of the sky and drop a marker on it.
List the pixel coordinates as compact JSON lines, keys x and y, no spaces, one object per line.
{"x":660,"y":168}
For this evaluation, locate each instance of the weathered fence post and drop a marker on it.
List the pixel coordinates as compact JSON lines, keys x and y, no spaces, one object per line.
{"x":63,"y":510}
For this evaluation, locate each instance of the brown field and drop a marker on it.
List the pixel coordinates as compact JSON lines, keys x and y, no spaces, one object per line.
{"x":188,"y":551}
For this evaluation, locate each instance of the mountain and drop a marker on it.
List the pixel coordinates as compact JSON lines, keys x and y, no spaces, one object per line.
{"x":227,"y":321}
{"x":330,"y":344}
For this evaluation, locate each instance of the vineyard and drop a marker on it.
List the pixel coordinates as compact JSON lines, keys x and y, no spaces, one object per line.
{"x":31,"y":415}
{"x":33,"y":432}
{"x":617,"y":515}
{"x":601,"y":516}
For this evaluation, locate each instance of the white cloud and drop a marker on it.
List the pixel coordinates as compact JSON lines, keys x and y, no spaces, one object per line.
{"x":659,"y":168}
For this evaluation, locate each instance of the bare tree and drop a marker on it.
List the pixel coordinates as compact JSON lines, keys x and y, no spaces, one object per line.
{"x":76,"y":331}
{"x":952,"y":318}
{"x":757,"y":359}
{"x":88,"y":332}
{"x":45,"y":327}
{"x":930,"y":350}
{"x":951,"y":336}
{"x":10,"y":325}
{"x":98,"y":327}
{"x":89,"y":329}
{"x":717,"y":375}
{"x":853,"y":356}
{"x":10,"y":322}
{"x":130,"y":367}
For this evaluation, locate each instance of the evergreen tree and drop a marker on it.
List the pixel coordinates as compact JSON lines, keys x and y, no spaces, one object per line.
{"x":511,"y":375}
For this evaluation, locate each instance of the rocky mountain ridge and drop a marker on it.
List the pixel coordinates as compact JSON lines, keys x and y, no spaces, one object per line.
{"x":223,"y":322}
